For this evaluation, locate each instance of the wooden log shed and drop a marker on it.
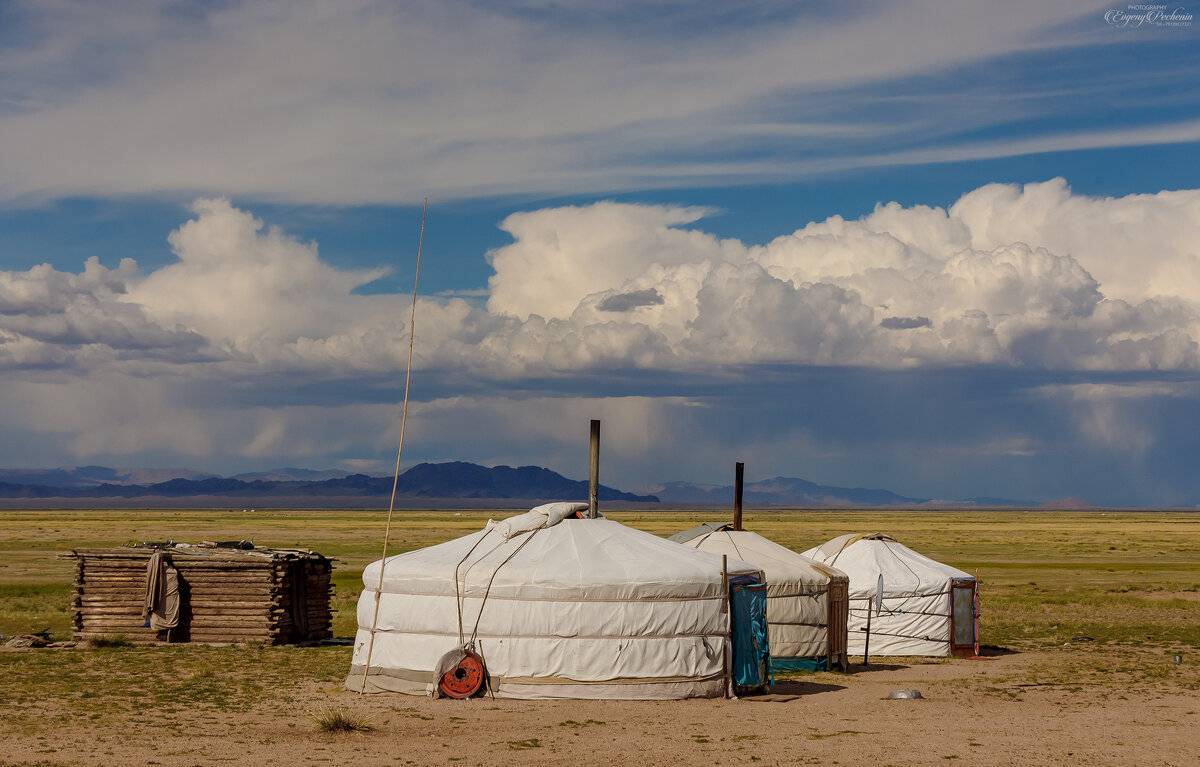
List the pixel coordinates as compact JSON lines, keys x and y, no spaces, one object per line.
{"x":227,"y":593}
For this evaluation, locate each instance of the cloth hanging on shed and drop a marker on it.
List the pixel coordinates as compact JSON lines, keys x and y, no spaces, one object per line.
{"x":162,"y":592}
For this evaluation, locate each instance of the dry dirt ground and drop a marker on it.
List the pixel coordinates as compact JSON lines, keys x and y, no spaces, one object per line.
{"x":1037,"y":707}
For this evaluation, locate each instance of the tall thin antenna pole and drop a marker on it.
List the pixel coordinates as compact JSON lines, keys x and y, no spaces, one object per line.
{"x":400,"y":451}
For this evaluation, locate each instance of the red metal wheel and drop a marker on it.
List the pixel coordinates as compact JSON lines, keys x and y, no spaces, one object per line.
{"x":465,"y":679}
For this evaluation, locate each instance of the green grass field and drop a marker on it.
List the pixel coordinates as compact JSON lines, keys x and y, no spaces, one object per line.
{"x":1126,"y":580}
{"x":1131,"y":577}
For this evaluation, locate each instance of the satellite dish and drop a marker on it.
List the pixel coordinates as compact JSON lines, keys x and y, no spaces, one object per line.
{"x":879,"y":595}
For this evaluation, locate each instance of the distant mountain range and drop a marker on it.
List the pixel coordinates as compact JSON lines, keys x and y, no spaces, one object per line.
{"x":789,"y":491}
{"x":781,"y":491}
{"x":80,"y":477}
{"x":457,"y":482}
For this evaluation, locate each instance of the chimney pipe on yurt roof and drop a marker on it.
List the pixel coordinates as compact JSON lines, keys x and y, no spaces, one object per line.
{"x":594,"y":472}
{"x":738,"y":473}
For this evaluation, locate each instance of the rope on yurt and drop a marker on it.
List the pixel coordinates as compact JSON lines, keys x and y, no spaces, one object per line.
{"x":910,"y":612}
{"x":488,"y":590}
{"x":467,"y":646}
{"x":399,"y":451}
{"x":925,"y":638}
{"x":458,"y":596}
{"x":917,"y":590}
{"x":459,"y":586}
{"x":821,"y":591}
{"x":733,"y":543}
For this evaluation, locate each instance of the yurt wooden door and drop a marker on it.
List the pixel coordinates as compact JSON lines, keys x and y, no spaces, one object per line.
{"x":964,"y":618}
{"x":836,"y":624}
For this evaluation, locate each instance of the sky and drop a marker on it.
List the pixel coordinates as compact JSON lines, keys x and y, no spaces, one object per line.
{"x":949,"y":249}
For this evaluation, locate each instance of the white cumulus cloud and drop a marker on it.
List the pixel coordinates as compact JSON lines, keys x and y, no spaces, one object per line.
{"x":621,"y":286}
{"x":806,"y":354}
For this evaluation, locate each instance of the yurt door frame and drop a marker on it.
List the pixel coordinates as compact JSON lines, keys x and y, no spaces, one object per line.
{"x":964,"y":618}
{"x":748,"y":634}
{"x":836,"y":630}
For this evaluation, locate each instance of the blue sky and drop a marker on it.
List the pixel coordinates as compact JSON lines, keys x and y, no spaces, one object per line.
{"x":949,"y":249}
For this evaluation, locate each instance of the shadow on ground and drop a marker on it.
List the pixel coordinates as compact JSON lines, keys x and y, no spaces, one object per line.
{"x":859,"y":668}
{"x":785,"y":690}
{"x":992,"y":651}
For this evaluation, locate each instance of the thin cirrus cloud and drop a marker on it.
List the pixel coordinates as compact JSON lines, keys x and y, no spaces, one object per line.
{"x":369,"y":101}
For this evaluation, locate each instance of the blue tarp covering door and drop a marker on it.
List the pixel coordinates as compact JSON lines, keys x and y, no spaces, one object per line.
{"x":751,"y":655}
{"x":799,"y":664}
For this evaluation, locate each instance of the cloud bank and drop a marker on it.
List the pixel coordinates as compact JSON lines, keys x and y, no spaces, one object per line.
{"x":845,"y":343}
{"x":1031,"y":277}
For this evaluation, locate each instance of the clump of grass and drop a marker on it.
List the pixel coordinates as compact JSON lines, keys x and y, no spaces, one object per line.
{"x":335,"y":719}
{"x":109,"y":642}
{"x":573,"y":723}
{"x":823,"y":735}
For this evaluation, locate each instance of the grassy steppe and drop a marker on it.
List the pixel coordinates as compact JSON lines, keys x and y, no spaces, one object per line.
{"x":1126,"y":580}
{"x":1129,"y":581}
{"x":1046,"y":577}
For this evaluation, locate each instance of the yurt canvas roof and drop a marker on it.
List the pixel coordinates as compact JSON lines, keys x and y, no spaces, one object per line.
{"x":559,"y":607}
{"x":782,"y":566}
{"x":580,"y":559}
{"x":865,"y":556}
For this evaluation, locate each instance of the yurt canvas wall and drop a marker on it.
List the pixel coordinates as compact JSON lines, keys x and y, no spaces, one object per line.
{"x":204,"y":593}
{"x":807,"y":601}
{"x":929,"y":608}
{"x":557,"y":606}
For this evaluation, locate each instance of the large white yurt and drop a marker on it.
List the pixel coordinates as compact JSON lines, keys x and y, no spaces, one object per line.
{"x":928,"y":608}
{"x":807,"y":601}
{"x":552,"y":604}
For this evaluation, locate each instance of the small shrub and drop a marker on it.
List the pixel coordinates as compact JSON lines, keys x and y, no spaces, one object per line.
{"x":110,"y":642}
{"x":337,"y":719}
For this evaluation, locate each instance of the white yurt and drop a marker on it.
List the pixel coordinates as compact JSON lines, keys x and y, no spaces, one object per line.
{"x":928,"y":608}
{"x":553,"y":604}
{"x":807,"y":602}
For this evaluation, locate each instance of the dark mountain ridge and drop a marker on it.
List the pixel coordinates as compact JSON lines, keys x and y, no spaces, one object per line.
{"x":456,"y":479}
{"x":782,"y":491}
{"x":451,"y":481}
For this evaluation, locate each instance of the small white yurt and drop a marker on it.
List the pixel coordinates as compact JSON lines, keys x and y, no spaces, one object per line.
{"x":928,"y":608}
{"x":553,"y":604}
{"x":807,"y":602}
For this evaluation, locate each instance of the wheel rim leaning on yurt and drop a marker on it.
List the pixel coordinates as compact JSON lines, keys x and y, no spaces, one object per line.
{"x":805,"y":598}
{"x":921,"y":598}
{"x":556,"y":606}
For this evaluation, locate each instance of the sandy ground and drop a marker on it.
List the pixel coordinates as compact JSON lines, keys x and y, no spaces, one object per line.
{"x":980,"y":712}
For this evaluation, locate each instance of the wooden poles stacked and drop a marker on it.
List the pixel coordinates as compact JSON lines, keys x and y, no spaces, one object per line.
{"x":226,"y":595}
